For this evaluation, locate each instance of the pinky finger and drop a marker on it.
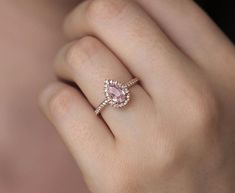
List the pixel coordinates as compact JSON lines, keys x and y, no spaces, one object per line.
{"x":87,"y":136}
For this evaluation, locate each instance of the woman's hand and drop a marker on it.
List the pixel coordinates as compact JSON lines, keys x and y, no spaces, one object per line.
{"x":177,"y":133}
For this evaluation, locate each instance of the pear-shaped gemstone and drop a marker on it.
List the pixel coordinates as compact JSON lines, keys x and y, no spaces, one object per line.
{"x":117,"y":94}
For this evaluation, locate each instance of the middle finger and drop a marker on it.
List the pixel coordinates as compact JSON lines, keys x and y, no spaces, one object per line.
{"x":136,"y":39}
{"x":88,"y":63}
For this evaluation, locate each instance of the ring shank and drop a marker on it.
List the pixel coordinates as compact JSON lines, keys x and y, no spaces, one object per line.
{"x":132,"y":82}
{"x":101,"y":106}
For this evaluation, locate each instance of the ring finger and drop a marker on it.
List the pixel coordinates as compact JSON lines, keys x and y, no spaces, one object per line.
{"x":88,"y":63}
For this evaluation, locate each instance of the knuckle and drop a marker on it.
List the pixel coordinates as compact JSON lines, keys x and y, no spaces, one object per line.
{"x":61,"y":102}
{"x":105,"y":9}
{"x":125,"y":181}
{"x":168,"y":154}
{"x":81,"y":52}
{"x":167,"y":159}
{"x":128,"y":179}
{"x":203,"y":110}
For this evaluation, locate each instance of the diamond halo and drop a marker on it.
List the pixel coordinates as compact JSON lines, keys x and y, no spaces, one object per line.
{"x":116,"y":93}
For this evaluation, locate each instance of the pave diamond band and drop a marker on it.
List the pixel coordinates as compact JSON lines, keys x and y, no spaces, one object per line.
{"x":117,"y":94}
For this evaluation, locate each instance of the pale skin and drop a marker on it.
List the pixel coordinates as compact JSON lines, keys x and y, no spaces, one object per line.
{"x":177,"y":134}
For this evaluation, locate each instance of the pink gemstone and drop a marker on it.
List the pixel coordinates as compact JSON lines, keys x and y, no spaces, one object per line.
{"x":116,"y":93}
